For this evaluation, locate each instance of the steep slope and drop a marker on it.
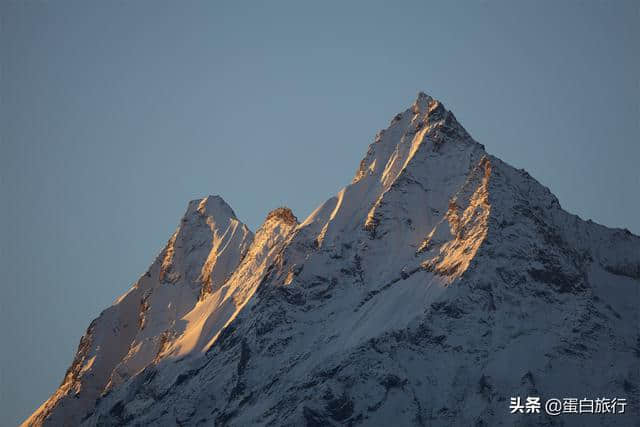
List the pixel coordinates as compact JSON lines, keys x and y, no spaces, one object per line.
{"x":436,"y":285}
{"x":203,"y":252}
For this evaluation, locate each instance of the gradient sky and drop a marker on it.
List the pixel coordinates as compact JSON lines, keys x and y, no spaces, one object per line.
{"x":114,"y":114}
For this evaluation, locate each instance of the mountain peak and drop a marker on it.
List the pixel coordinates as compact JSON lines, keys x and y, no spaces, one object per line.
{"x":301,"y":324}
{"x":283,"y":213}
{"x":211,"y":205}
{"x":422,"y":102}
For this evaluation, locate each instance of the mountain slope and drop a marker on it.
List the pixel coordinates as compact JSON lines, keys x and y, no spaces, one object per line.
{"x":135,"y":331}
{"x":435,"y":286}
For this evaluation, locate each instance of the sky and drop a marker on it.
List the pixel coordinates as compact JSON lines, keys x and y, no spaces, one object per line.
{"x":115,"y":114}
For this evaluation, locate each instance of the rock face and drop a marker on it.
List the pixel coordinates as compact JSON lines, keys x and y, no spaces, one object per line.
{"x":430,"y":290}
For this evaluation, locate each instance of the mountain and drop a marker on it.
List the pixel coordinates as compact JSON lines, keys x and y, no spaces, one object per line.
{"x":437,"y":285}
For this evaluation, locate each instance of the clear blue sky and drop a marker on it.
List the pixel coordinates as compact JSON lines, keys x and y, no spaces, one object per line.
{"x":114,"y":114}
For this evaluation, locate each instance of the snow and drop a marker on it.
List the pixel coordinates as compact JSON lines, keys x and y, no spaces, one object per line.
{"x":205,"y":249}
{"x":437,"y":284}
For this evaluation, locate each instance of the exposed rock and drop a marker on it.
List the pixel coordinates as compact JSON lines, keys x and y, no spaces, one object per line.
{"x":435,"y":286}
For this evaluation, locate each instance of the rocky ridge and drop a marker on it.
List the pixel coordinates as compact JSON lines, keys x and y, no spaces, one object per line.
{"x":436,"y":285}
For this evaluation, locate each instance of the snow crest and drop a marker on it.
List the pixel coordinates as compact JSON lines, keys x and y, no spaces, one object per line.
{"x":437,"y":284}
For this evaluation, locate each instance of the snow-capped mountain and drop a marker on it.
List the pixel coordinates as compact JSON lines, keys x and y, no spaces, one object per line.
{"x":434,"y":287}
